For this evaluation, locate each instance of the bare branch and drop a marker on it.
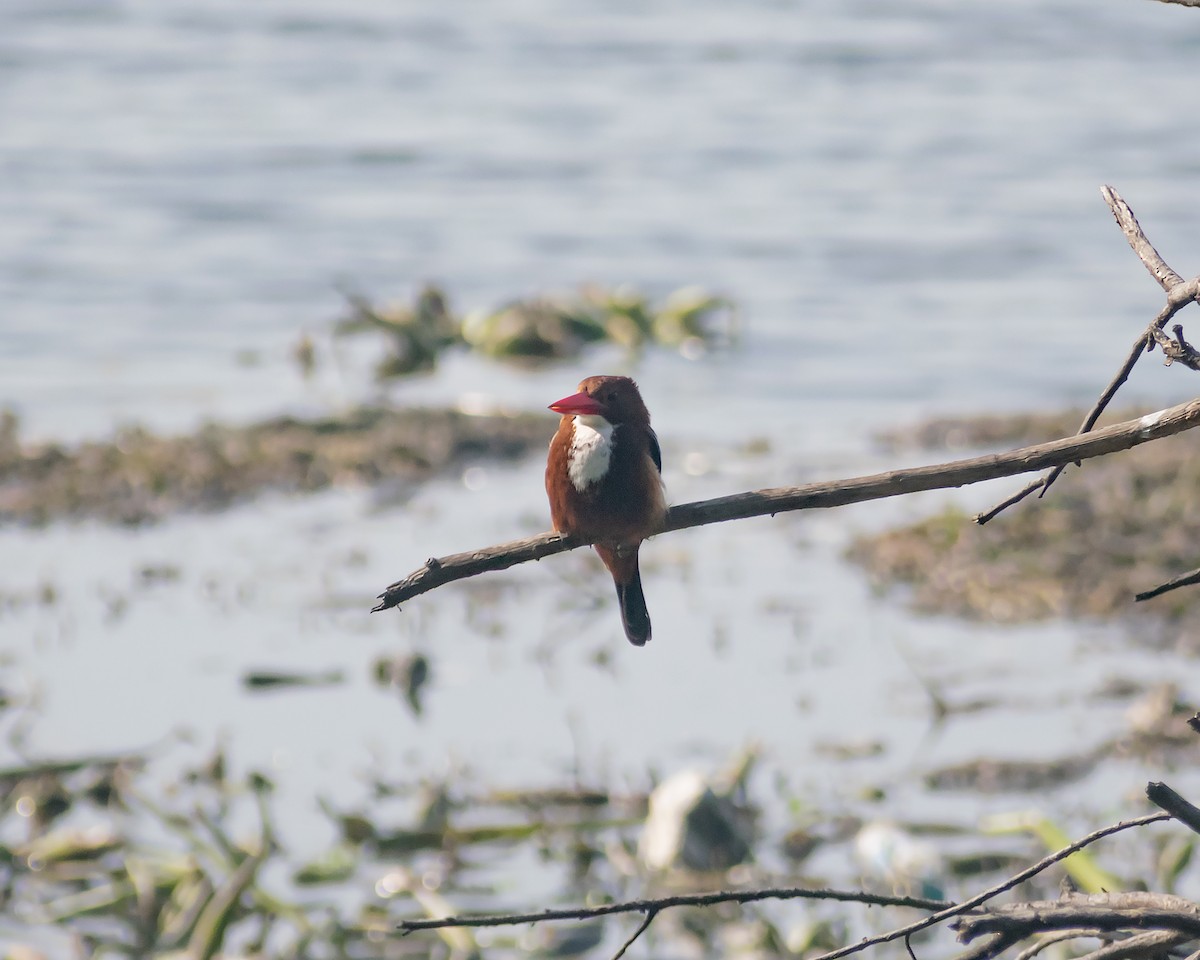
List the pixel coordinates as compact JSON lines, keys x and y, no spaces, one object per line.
{"x":1166,"y":277}
{"x":1032,"y":486}
{"x":1156,"y":943}
{"x":1183,"y":580}
{"x":680,"y":900}
{"x":1120,"y":436}
{"x":1179,"y":294}
{"x":943,"y":909}
{"x":1176,"y":349}
{"x":1048,"y":941}
{"x":1140,"y":346}
{"x":646,"y":921}
{"x":1167,"y":799}
{"x":1098,"y":912}
{"x":992,"y":892}
{"x":988,"y":949}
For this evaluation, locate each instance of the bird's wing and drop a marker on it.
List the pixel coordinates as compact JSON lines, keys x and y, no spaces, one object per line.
{"x":655,"y":452}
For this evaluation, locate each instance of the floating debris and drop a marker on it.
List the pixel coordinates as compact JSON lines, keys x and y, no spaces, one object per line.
{"x":909,"y":865}
{"x":155,"y":573}
{"x":699,"y":823}
{"x":550,"y":797}
{"x":1015,"y":776}
{"x":271,"y":679}
{"x":408,"y":673}
{"x":337,"y":865}
{"x":304,"y":352}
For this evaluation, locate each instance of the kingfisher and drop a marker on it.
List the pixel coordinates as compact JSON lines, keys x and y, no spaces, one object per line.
{"x":603,"y":478}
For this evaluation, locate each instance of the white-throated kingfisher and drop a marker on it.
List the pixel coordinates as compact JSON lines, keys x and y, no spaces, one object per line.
{"x":604,"y":484}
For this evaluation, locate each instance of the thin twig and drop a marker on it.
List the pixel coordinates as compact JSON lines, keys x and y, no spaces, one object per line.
{"x":942,"y":909}
{"x":1180,"y":292}
{"x":971,"y":903}
{"x":679,"y":900}
{"x":1119,"y":436}
{"x":982,"y":518}
{"x":1048,"y":941}
{"x":646,"y":921}
{"x":1089,"y":421}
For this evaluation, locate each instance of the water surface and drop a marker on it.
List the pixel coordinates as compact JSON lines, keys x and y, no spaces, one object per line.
{"x":902,"y":198}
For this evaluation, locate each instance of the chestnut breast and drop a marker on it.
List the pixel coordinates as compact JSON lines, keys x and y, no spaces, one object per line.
{"x":603,"y":480}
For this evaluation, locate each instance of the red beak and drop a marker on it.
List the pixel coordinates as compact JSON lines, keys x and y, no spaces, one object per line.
{"x":577,"y":403}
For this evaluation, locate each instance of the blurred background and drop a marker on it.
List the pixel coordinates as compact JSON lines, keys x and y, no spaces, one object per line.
{"x":896,"y":209}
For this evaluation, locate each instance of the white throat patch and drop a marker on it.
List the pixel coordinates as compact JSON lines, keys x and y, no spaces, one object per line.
{"x":591,"y":450}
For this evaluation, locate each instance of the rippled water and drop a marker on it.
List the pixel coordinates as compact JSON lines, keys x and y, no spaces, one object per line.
{"x":902,"y":197}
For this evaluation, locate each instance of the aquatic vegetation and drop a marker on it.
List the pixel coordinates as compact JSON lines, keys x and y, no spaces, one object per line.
{"x":540,"y":328}
{"x":407,"y":673}
{"x":1119,"y":525}
{"x":139,"y":476}
{"x":417,"y":333}
{"x":98,"y":849}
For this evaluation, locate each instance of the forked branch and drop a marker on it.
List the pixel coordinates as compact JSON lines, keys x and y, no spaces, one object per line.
{"x":1180,"y":293}
{"x":1173,"y":920}
{"x":940,"y":910}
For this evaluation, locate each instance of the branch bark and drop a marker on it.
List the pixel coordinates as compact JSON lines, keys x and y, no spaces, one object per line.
{"x":992,"y":892}
{"x":1167,"y":799}
{"x":1100,"y":912}
{"x":438,"y":571}
{"x":1180,"y":293}
{"x":1156,"y":943}
{"x":651,"y":907}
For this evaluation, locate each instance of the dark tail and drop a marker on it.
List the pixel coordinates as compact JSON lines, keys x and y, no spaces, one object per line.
{"x":628,"y":578}
{"x":634,"y":614}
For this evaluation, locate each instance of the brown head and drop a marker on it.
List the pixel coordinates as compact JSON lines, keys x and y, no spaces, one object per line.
{"x":616,"y":399}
